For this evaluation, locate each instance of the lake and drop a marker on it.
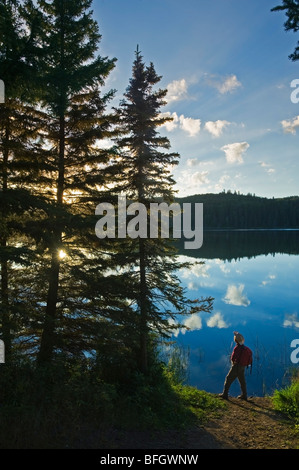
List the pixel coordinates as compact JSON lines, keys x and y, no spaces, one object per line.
{"x":253,"y":276}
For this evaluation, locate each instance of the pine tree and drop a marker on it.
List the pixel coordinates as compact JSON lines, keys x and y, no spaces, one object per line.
{"x":72,"y":75}
{"x":145,"y":177}
{"x":19,"y":153}
{"x":292,"y":23}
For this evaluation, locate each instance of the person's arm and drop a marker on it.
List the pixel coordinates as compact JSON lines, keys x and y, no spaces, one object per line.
{"x":233,"y":356}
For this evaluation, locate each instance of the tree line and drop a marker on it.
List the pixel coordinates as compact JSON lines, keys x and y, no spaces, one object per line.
{"x":229,"y":210}
{"x":64,"y":292}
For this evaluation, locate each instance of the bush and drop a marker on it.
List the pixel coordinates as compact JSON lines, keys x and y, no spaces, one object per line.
{"x":287,"y":401}
{"x":52,"y":406}
{"x":69,"y":405}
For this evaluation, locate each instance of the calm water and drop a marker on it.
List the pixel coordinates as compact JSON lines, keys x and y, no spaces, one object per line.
{"x":254,"y":278}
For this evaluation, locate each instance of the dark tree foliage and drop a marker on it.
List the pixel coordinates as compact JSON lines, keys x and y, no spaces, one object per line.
{"x":144,"y":177}
{"x":237,"y":211}
{"x":72,"y":74}
{"x":291,"y":7}
{"x":20,"y":156}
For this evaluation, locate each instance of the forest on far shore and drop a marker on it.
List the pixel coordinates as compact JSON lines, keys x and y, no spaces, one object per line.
{"x":228,"y":210}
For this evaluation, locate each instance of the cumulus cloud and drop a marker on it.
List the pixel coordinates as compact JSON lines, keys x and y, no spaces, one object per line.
{"x":200,"y":177}
{"x":229,"y":84}
{"x":176,"y":90}
{"x":192,"y":323}
{"x":190,"y":125}
{"x":290,"y":126}
{"x":224,"y":84}
{"x":197,"y":269}
{"x":217,"y":321}
{"x":187,"y":124}
{"x":170,"y":125}
{"x":234,"y":296}
{"x":234,"y":152}
{"x":216,"y":127}
{"x":291,"y":321}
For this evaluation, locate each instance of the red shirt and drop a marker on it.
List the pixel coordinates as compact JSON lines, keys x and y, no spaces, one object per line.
{"x":237,"y":354}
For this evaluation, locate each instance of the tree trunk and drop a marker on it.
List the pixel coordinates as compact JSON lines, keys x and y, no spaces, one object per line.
{"x":143,"y":310}
{"x":48,"y":336}
{"x":5,"y":317}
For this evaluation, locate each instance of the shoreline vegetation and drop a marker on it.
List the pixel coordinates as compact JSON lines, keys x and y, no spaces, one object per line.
{"x":66,"y":405}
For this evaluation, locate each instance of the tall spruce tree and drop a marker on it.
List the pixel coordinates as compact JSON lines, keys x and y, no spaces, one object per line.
{"x":292,"y":22}
{"x":144,"y":170}
{"x":19,"y":154}
{"x":72,"y":74}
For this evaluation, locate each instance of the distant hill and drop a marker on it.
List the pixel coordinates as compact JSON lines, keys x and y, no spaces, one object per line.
{"x":229,"y":210}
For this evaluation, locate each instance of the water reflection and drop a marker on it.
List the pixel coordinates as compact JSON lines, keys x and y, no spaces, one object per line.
{"x":256,"y":294}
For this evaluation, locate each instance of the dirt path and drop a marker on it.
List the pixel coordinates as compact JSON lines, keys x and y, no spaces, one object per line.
{"x":251,"y":424}
{"x":244,"y":425}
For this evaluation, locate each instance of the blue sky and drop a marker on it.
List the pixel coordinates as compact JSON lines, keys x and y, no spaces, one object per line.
{"x":225,"y":65}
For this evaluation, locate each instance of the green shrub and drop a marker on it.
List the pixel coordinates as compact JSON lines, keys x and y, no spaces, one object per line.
{"x":287,"y":401}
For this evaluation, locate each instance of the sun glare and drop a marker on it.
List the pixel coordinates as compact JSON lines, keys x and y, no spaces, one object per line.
{"x":62,"y":254}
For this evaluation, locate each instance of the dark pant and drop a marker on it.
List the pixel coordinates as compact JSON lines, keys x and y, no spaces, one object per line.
{"x":236,"y":372}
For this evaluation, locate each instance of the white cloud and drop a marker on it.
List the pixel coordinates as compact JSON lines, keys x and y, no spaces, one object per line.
{"x":192,"y":180}
{"x":289,"y":126}
{"x":170,"y":125}
{"x":216,"y":127}
{"x":234,"y":152}
{"x":266,"y":167}
{"x":176,"y":90}
{"x":217,"y":321}
{"x":291,"y":321}
{"x":229,"y":84}
{"x":264,"y":164}
{"x":200,"y":177}
{"x":192,"y":162}
{"x":222,"y":182}
{"x":104,"y":144}
{"x":194,"y":322}
{"x":234,"y":296}
{"x":190,"y":125}
{"x":187,"y":124}
{"x":198,"y":269}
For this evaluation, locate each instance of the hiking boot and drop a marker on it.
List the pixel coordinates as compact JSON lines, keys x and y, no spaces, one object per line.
{"x":223,"y":395}
{"x":242,"y":397}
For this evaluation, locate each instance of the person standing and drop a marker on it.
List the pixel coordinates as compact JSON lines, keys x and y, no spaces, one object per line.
{"x":240,"y":358}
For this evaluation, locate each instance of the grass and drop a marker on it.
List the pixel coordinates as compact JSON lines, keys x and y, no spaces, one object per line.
{"x":286,"y":401}
{"x":68,"y":404}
